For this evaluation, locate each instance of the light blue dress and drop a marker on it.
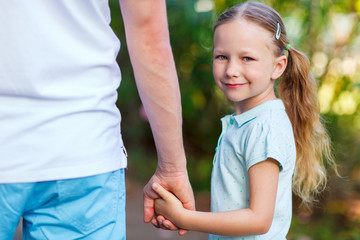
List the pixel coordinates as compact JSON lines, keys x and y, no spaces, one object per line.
{"x":246,"y":139}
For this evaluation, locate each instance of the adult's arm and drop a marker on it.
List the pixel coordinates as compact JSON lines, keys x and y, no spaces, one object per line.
{"x":148,"y":42}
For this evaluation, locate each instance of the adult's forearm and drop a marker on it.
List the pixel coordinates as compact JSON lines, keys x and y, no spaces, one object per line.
{"x":159,"y":91}
{"x":155,"y":73}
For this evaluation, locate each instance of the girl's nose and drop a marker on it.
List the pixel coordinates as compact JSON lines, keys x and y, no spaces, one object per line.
{"x":232,"y":69}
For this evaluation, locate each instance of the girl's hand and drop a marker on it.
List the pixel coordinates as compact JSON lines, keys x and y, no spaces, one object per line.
{"x":168,"y":205}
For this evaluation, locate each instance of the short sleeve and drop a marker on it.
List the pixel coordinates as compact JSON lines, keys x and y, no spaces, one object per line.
{"x":265,"y":141}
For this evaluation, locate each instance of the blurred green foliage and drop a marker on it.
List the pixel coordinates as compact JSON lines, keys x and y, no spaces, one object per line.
{"x":327,"y":31}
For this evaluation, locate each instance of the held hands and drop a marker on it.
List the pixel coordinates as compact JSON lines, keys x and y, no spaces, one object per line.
{"x":168,"y":205}
{"x":178,"y":183}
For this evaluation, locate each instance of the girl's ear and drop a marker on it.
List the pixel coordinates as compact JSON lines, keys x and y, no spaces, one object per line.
{"x":279,"y":67}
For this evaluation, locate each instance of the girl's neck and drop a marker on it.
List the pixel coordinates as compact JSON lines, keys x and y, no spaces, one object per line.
{"x":247,"y":104}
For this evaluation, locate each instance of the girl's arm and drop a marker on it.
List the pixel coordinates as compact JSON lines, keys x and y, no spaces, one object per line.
{"x":255,"y":220}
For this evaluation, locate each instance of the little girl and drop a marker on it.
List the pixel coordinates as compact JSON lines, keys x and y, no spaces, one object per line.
{"x":268,"y":147}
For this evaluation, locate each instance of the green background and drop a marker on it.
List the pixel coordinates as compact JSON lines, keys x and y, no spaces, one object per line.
{"x":328,"y":33}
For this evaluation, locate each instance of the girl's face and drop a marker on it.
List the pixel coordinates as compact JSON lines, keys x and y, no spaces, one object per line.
{"x":244,"y":65}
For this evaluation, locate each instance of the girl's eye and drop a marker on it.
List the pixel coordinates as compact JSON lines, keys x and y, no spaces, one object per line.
{"x":221,"y":57}
{"x":247,"y":59}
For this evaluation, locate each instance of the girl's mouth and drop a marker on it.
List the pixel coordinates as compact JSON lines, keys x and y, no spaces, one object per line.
{"x":236,"y":85}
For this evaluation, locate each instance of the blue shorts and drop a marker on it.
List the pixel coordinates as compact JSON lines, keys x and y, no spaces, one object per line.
{"x":87,"y":208}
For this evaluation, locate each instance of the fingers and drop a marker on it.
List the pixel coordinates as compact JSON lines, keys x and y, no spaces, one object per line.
{"x":161,"y":222}
{"x":155,"y":223}
{"x":160,"y":219}
{"x":148,"y":209}
{"x":169,"y":225}
{"x":160,"y":190}
{"x":182,"y":232}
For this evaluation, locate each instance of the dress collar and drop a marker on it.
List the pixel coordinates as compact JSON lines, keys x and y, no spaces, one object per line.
{"x":249,"y":115}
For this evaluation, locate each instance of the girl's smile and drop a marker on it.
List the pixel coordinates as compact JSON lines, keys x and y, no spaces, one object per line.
{"x":236,"y":85}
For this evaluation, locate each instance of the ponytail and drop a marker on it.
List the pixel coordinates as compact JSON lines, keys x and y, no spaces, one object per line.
{"x":298,"y":90}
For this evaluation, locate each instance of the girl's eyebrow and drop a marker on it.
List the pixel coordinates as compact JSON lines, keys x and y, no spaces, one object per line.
{"x":241,"y":52}
{"x":219,"y":49}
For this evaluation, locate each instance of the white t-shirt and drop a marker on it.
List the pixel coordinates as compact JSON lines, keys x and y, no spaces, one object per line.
{"x":247,"y":139}
{"x":58,"y":88}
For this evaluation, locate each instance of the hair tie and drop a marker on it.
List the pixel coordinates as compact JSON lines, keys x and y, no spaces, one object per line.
{"x":288,"y":47}
{"x":278,"y":31}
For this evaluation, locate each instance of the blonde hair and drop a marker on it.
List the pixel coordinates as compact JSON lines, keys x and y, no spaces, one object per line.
{"x":298,"y":90}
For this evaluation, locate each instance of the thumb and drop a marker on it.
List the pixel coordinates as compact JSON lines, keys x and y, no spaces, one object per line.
{"x":160,"y":190}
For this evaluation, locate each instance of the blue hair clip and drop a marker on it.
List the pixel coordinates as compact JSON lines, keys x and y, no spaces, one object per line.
{"x":278,"y":31}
